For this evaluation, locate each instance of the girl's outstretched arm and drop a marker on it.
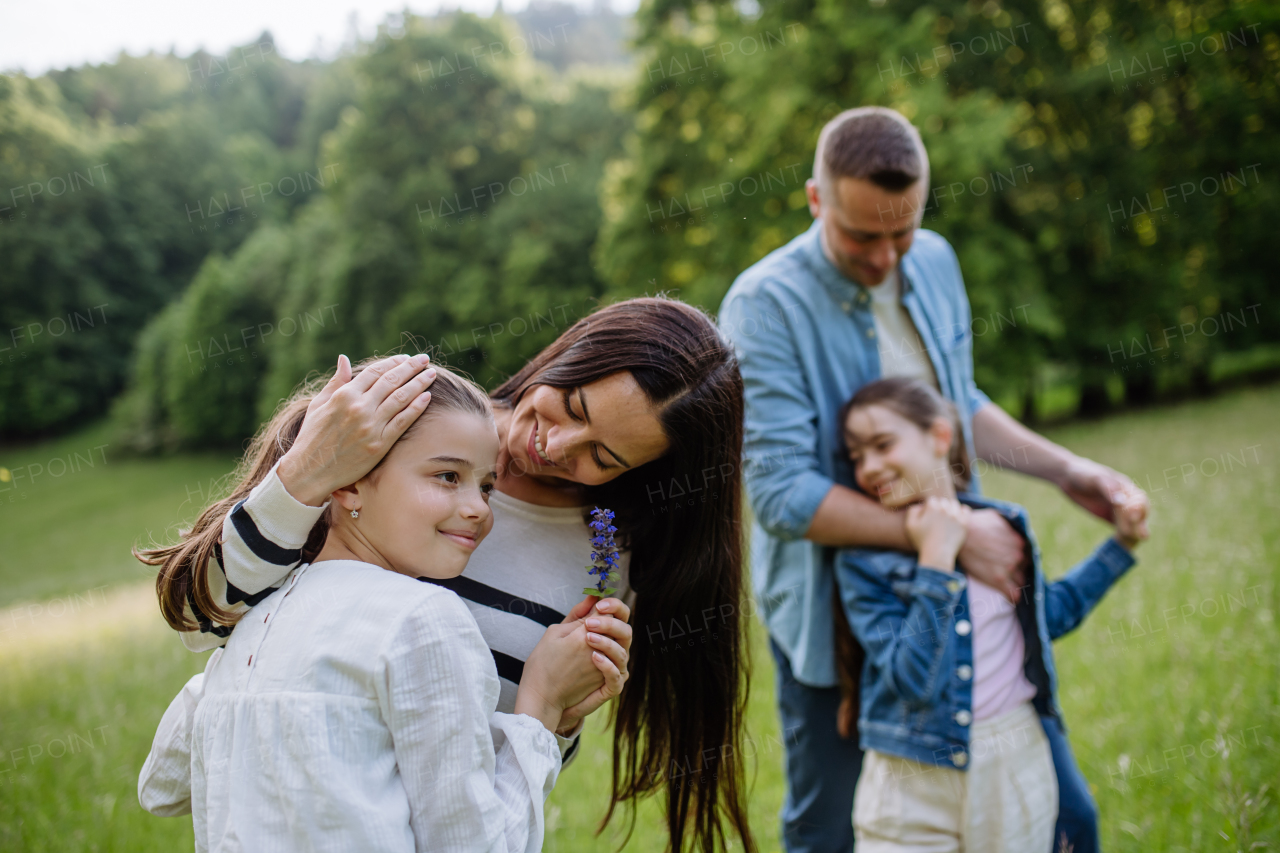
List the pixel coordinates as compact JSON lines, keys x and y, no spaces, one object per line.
{"x":1070,"y":598}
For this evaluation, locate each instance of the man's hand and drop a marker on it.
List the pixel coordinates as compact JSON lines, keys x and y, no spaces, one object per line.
{"x":994,"y":553}
{"x":1131,"y":522}
{"x":1101,"y":490}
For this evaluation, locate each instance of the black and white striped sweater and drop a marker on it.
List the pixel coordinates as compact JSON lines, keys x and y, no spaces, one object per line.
{"x":524,"y":577}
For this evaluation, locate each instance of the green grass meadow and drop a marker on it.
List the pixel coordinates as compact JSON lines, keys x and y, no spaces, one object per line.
{"x":1171,"y":688}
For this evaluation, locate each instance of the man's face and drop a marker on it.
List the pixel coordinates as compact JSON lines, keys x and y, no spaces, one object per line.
{"x":867,"y":229}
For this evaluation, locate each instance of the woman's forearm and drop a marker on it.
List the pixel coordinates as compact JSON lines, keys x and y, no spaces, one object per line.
{"x":849,"y":519}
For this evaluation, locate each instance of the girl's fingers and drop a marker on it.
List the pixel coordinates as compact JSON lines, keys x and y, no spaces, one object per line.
{"x":603,"y":645}
{"x":580,"y":610}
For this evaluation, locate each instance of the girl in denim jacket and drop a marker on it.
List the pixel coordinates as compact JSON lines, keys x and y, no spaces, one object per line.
{"x":955,"y":678}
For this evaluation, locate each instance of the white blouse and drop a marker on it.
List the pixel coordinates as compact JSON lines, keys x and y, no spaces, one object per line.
{"x":525,"y":576}
{"x":353,"y":709}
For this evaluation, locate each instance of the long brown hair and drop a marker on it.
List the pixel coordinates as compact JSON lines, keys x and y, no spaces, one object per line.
{"x":182,"y":584}
{"x":921,"y":404}
{"x":685,"y":561}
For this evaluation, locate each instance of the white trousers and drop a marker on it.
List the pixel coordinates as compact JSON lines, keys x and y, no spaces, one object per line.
{"x":1006,"y":802}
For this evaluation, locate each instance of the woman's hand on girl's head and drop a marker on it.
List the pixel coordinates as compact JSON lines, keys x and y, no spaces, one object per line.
{"x":352,"y":423}
{"x":937,"y":527}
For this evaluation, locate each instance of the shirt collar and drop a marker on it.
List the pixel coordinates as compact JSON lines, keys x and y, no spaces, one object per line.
{"x":840,"y":286}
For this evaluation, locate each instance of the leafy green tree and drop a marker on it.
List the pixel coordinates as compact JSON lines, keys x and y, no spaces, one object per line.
{"x":117,"y":181}
{"x":1032,"y":139}
{"x":463,"y":222}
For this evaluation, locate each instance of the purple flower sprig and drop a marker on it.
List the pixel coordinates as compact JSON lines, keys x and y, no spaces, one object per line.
{"x":604,"y":554}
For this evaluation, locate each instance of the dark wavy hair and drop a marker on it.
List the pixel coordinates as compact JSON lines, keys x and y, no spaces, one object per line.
{"x":684,"y":562}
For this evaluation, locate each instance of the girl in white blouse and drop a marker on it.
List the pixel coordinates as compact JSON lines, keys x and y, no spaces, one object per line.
{"x":355,"y":707}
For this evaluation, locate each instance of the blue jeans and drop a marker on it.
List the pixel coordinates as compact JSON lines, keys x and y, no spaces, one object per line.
{"x":822,"y":771}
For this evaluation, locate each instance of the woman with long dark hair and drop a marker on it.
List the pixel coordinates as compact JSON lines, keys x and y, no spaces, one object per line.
{"x":637,"y":408}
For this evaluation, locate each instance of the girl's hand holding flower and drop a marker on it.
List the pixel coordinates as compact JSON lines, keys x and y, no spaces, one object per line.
{"x":608,"y":633}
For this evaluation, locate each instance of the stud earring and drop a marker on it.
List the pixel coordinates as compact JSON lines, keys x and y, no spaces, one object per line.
{"x":355,"y":513}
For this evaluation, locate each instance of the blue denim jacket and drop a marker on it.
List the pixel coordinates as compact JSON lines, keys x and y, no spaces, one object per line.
{"x":805,"y":336}
{"x":917,"y":690}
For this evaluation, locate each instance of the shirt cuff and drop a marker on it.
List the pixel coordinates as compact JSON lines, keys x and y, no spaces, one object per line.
{"x":1115,"y":557}
{"x":279,"y":515}
{"x":807,"y":493}
{"x":567,"y":741}
{"x":937,"y":584}
{"x":977,"y":399}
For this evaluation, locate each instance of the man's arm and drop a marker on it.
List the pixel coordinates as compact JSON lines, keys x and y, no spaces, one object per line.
{"x":846,"y":518}
{"x":783,"y":476}
{"x":1002,"y":441}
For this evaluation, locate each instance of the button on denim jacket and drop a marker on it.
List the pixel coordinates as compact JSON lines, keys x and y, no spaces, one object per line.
{"x":916,"y":691}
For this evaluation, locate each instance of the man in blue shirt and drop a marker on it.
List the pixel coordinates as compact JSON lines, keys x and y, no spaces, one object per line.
{"x":865,"y":293}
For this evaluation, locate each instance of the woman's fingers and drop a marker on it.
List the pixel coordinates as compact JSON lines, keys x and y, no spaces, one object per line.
{"x":614,"y":676}
{"x":614,"y":607}
{"x":405,"y":419}
{"x":340,"y":377}
{"x":614,"y":680}
{"x":402,"y":400}
{"x":375,"y":371}
{"x":394,"y":379}
{"x":615,"y":629}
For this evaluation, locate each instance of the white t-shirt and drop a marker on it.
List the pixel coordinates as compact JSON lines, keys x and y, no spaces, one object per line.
{"x":902,"y":352}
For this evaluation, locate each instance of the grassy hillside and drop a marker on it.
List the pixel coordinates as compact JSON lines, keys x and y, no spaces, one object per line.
{"x":1171,"y":688}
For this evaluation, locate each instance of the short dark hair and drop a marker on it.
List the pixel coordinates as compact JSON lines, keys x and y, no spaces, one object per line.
{"x":871,"y":143}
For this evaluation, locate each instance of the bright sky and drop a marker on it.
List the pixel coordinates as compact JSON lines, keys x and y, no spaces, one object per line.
{"x":37,"y":35}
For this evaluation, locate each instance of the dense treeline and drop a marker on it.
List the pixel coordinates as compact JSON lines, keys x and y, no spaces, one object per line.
{"x":114,"y":184}
{"x":1101,"y":168}
{"x":207,"y":230}
{"x":462,"y":222}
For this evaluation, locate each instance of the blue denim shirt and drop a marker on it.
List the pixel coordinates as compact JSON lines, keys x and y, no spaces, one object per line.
{"x":806,"y":339}
{"x":913,"y":623}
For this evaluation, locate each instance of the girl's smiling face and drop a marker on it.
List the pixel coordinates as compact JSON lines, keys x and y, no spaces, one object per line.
{"x":424,"y":510}
{"x":896,"y":461}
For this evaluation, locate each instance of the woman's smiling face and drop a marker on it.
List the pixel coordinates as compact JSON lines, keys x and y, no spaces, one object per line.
{"x":426,"y":507}
{"x":589,"y":434}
